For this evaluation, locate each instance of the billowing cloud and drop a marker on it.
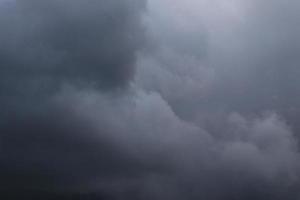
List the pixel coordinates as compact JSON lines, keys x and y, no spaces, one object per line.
{"x":149,"y":100}
{"x":241,"y":55}
{"x":45,"y":45}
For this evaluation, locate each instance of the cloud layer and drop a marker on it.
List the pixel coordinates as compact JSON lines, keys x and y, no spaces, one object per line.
{"x":149,"y":100}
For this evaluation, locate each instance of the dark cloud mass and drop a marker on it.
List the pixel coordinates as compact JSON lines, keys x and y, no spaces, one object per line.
{"x":45,"y":45}
{"x":156,"y":100}
{"x":83,"y":42}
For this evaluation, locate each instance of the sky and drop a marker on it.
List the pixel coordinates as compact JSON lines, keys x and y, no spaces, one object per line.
{"x":149,"y":99}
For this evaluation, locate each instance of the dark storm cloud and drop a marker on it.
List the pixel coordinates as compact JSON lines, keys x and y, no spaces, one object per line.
{"x":220,"y":58}
{"x":209,"y":114}
{"x":91,"y":42}
{"x":43,"y":46}
{"x":247,"y":158}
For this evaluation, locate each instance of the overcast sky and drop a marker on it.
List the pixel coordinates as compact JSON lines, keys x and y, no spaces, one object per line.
{"x":150,"y":99}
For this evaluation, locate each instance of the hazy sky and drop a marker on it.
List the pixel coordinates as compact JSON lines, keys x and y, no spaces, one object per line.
{"x":150,"y":99}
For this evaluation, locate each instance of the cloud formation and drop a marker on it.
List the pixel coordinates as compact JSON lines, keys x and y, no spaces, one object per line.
{"x":45,"y":45}
{"x":149,"y":100}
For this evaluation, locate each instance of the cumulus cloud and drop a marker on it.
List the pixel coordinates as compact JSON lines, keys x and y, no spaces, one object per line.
{"x":149,"y":100}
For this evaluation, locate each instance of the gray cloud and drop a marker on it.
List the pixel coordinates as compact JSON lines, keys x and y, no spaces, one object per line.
{"x":241,"y":58}
{"x":45,"y":45}
{"x":164,"y":100}
{"x":70,"y":41}
{"x":244,"y":41}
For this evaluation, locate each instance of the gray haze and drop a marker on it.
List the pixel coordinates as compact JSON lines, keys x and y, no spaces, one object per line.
{"x":158,"y":100}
